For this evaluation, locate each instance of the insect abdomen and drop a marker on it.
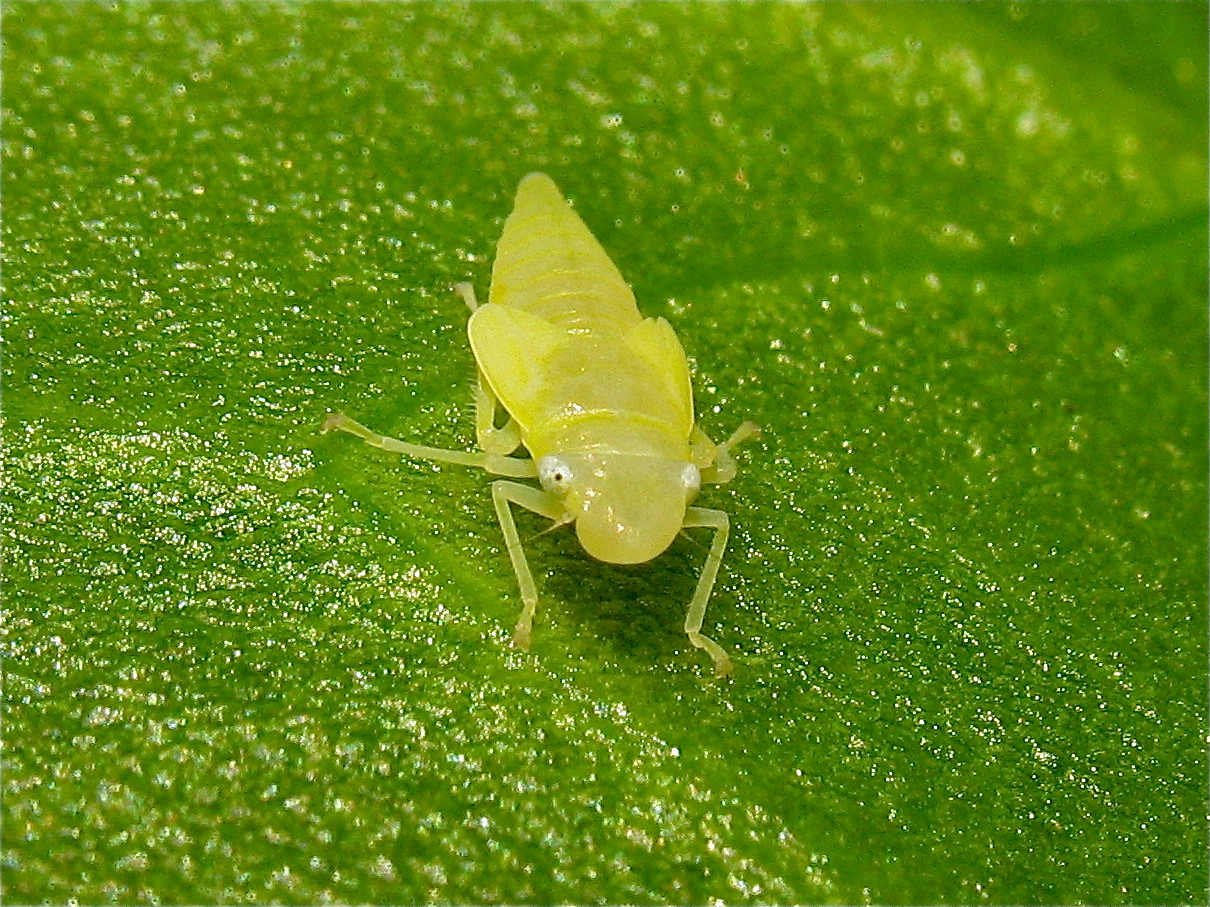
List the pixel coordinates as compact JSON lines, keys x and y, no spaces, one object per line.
{"x":548,"y":263}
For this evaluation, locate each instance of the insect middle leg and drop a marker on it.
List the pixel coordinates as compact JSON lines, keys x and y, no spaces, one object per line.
{"x":719,"y":522}
{"x":493,"y":463}
{"x":543,"y":504}
{"x":503,"y":440}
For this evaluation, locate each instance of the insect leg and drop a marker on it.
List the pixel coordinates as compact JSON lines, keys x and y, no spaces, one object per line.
{"x":466,"y":292}
{"x":493,"y":463}
{"x":503,"y":440}
{"x":507,"y":438}
{"x":718,"y":521}
{"x":723,"y":469}
{"x":543,"y":504}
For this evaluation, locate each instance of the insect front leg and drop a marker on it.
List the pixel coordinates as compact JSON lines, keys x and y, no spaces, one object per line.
{"x":718,"y":521}
{"x":723,"y":467}
{"x":543,"y":504}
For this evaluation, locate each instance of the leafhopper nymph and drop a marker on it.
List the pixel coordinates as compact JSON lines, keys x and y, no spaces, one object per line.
{"x":598,"y":396}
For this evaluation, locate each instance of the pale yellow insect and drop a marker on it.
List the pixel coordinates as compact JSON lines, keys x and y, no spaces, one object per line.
{"x":599,"y":397}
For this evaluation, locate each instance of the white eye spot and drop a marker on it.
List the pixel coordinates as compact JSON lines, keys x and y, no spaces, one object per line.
{"x":691,"y":478}
{"x":554,"y":474}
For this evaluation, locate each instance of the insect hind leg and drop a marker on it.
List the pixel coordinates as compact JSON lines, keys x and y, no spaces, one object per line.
{"x":466,"y":292}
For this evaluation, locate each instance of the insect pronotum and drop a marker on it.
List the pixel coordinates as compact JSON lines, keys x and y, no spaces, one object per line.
{"x":599,"y":397}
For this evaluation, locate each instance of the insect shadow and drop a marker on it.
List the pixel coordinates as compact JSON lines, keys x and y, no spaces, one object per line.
{"x":634,"y":608}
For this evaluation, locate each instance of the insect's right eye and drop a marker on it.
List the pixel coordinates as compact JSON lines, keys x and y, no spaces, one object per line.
{"x":554,"y":474}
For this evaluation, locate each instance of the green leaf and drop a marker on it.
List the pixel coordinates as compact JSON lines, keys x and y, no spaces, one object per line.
{"x":952,"y":258}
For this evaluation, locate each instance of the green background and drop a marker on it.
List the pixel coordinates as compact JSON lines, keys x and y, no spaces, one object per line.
{"x":951,"y":258}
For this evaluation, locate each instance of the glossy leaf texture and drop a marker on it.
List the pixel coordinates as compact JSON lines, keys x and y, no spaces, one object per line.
{"x":952,"y":259}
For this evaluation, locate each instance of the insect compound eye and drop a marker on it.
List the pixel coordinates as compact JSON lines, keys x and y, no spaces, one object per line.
{"x":691,"y":478}
{"x":554,"y":474}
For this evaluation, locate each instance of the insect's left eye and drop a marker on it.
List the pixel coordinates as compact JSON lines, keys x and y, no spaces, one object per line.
{"x":554,"y":474}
